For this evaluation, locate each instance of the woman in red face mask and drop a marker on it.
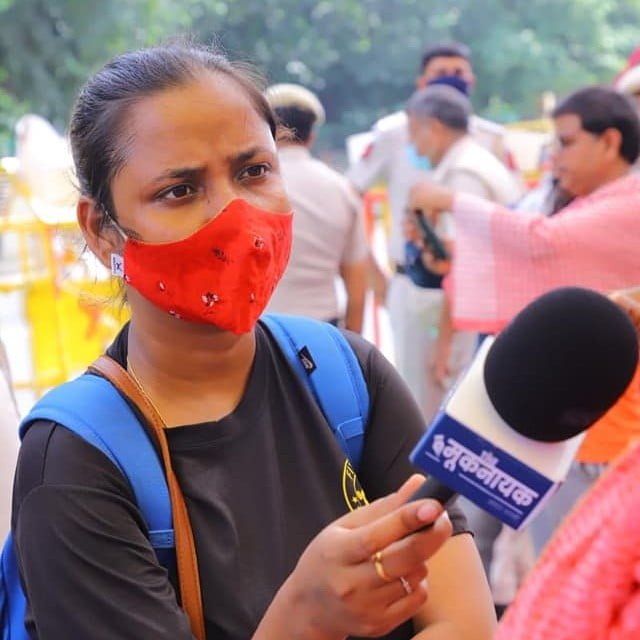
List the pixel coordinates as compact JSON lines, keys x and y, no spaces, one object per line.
{"x":182,"y":199}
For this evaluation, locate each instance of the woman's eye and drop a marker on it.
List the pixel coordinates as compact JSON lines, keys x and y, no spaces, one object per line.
{"x":178,"y":192}
{"x":255,"y":171}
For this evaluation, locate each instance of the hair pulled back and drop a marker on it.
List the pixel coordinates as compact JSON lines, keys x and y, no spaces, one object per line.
{"x":97,"y":129}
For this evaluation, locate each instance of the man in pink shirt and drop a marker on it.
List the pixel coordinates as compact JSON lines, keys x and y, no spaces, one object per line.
{"x":503,"y":261}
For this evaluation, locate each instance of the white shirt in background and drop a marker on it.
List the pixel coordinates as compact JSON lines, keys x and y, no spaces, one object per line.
{"x":389,"y":159}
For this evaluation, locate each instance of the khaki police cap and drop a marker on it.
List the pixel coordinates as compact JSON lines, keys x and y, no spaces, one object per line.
{"x":295,"y":95}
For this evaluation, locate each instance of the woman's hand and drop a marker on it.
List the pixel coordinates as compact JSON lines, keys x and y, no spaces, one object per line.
{"x":431,"y":198}
{"x":365,"y":573}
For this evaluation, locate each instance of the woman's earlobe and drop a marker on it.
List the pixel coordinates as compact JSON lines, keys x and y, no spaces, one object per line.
{"x":99,"y":238}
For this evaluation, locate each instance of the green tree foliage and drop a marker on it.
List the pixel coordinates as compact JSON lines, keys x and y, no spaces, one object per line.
{"x":360,"y":56}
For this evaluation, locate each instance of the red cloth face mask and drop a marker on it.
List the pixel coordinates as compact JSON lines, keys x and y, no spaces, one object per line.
{"x":222,"y":274}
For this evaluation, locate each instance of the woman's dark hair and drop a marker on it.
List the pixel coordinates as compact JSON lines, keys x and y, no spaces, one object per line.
{"x":601,"y":108}
{"x":100,"y":112}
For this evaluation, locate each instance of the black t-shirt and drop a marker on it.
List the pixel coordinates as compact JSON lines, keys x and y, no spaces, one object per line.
{"x":259,"y":485}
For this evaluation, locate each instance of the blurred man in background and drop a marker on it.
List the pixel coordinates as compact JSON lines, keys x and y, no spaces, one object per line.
{"x":439,"y":123}
{"x":591,"y":243}
{"x":439,"y":119}
{"x":329,"y":240}
{"x":391,"y":158}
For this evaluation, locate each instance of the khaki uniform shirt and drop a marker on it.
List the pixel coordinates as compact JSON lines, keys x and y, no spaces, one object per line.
{"x":328,"y":231}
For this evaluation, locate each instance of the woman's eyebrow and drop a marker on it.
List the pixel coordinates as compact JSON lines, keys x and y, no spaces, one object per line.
{"x":181,"y":173}
{"x":244,"y":156}
{"x":194,"y":172}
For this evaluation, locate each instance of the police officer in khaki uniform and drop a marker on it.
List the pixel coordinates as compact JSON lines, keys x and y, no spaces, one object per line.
{"x":329,"y":241}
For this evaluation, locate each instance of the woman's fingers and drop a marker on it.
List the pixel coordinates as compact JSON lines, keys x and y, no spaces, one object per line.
{"x":410,"y":487}
{"x":407,"y":606}
{"x":370,"y":564}
{"x":409,"y":554}
{"x":393,"y":525}
{"x":382,"y":506}
{"x":396,"y":602}
{"x":391,"y":588}
{"x":404,"y":521}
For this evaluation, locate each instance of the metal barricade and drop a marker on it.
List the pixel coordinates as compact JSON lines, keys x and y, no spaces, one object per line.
{"x":66,"y":301}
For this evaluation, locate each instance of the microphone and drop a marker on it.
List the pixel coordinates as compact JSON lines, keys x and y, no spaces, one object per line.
{"x":507,"y":433}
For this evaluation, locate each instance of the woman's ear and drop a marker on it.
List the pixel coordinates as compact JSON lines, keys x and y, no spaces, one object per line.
{"x":102,"y":240}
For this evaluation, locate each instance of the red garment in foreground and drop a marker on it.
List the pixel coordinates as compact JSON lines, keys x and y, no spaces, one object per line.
{"x":505,"y":259}
{"x":586,"y":584}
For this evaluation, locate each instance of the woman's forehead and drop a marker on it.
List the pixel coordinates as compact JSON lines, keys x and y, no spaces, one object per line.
{"x":212,"y":108}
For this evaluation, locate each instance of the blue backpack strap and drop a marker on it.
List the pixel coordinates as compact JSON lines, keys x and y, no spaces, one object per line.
{"x":326,"y":363}
{"x":13,"y":604}
{"x":92,"y":408}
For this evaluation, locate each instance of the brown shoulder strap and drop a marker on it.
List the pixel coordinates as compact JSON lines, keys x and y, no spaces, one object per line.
{"x":188,"y":575}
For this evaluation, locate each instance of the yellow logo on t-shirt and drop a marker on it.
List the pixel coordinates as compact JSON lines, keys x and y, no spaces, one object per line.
{"x":353,"y":493}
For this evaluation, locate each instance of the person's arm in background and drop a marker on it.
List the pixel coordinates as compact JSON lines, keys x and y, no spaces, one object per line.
{"x":354,"y":264}
{"x":464,"y":182}
{"x":354,"y":275}
{"x":378,"y":279}
{"x":519,"y":257}
{"x":371,"y":168}
{"x":373,"y":165}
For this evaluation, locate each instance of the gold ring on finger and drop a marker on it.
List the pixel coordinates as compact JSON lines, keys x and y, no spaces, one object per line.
{"x":377,"y":563}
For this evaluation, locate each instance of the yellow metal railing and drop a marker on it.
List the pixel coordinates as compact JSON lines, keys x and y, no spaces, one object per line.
{"x":64,"y":300}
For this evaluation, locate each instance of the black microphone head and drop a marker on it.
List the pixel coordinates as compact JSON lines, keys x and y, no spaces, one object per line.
{"x":561,"y":363}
